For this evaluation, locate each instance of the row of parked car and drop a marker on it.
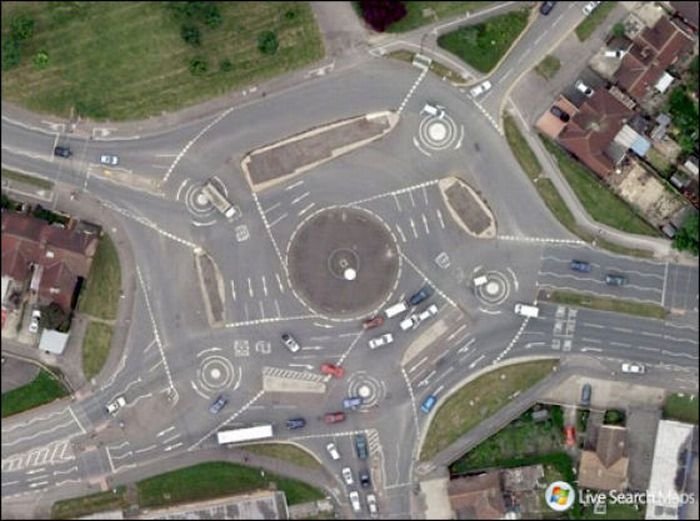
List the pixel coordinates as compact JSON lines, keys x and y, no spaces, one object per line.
{"x":611,"y":279}
{"x":362,"y":452}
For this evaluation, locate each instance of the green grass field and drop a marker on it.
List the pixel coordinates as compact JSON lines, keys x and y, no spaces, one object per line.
{"x":414,"y":13}
{"x":96,"y":344}
{"x":478,"y":400}
{"x":548,"y":67}
{"x":286,"y":452}
{"x":521,"y":150}
{"x":27,"y":179}
{"x":82,"y":506}
{"x":100,"y":298}
{"x":629,"y":307}
{"x":126,"y":60}
{"x":483,"y":45}
{"x":43,"y":389}
{"x":592,"y":21}
{"x":683,"y":408}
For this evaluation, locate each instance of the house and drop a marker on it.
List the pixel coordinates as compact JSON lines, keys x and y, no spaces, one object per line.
{"x":654,"y":50}
{"x":591,"y":132}
{"x":605,"y":468}
{"x":477,"y":497}
{"x":687,"y":12}
{"x":49,"y":259}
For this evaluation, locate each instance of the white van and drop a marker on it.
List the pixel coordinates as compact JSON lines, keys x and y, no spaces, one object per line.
{"x":396,"y":309}
{"x":480,"y":281}
{"x":434,"y":110}
{"x":525,"y":310}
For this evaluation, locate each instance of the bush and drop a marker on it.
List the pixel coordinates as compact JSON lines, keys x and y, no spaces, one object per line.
{"x":190,"y":33}
{"x":198,"y":66}
{"x":41,"y":59}
{"x":290,"y":15}
{"x":209,"y":14}
{"x":53,"y":317}
{"x":618,"y":30}
{"x":267,"y":42}
{"x":10,"y":53}
{"x":22,"y":27}
{"x":614,"y":417}
{"x":225,"y":65}
{"x":687,"y":237}
{"x":380,"y":14}
{"x":685,"y":116}
{"x":205,"y":12}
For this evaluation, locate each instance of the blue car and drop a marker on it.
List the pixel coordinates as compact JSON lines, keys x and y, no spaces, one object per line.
{"x":218,"y":404}
{"x":581,"y":266}
{"x":352,"y":402}
{"x":419,"y":297}
{"x":428,"y":404}
{"x":296,"y":423}
{"x":361,"y":446}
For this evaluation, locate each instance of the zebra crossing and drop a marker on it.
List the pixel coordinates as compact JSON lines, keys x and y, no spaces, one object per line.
{"x":293,"y":375}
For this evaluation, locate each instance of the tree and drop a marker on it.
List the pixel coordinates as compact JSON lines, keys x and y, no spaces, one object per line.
{"x":198,"y":66}
{"x":267,"y":42}
{"x":190,"y":33}
{"x":22,"y":27}
{"x":380,"y":14}
{"x":687,"y":237}
{"x":618,"y":30}
{"x":53,"y":317}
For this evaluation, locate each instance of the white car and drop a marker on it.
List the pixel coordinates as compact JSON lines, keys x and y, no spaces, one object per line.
{"x":590,"y":7}
{"x":480,"y":89}
{"x":347,"y":475}
{"x":34,"y":324}
{"x":428,"y":312}
{"x":117,"y":404}
{"x":372,"y":505}
{"x":333,"y":451}
{"x":583,"y":88}
{"x":416,"y":319}
{"x":109,"y":160}
{"x":381,"y":341}
{"x":633,"y":368}
{"x":355,"y":501}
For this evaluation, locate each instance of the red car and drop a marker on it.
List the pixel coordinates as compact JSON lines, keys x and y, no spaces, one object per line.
{"x":332,"y":369}
{"x":334,"y":417}
{"x":570,"y":435}
{"x":373,"y":322}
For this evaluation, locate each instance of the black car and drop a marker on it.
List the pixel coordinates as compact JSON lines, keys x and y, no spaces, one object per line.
{"x":419,"y":297}
{"x":62,"y":152}
{"x":586,"y":395}
{"x":559,"y":113}
{"x":582,"y":266}
{"x":296,"y":423}
{"x":615,"y":280}
{"x":546,"y":7}
{"x":364,"y":479}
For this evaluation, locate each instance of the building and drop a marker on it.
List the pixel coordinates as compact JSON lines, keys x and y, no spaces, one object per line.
{"x":605,"y":468}
{"x":477,"y":497}
{"x":687,"y":12}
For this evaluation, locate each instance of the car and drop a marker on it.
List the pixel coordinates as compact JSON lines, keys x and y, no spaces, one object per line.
{"x":633,"y":368}
{"x":570,"y":433}
{"x":365,"y":480}
{"x":372,"y":506}
{"x":615,"y":280}
{"x":433,"y":109}
{"x":615,"y":53}
{"x":34,"y":324}
{"x":546,"y":7}
{"x":62,"y":152}
{"x":581,"y":266}
{"x":563,"y":116}
{"x":218,"y":404}
{"x":379,"y":341}
{"x":296,"y":423}
{"x":290,"y":342}
{"x":586,"y":395}
{"x":415,"y":320}
{"x":585,"y":89}
{"x":333,"y":370}
{"x":361,"y":446}
{"x":428,"y":404}
{"x":334,"y":417}
{"x":346,"y":472}
{"x":333,"y":451}
{"x":352,"y":402}
{"x":109,"y":159}
{"x":373,"y":322}
{"x":420,"y":296}
{"x":590,"y":7}
{"x":480,"y":89}
{"x":117,"y":404}
{"x":428,"y":312}
{"x":355,"y":501}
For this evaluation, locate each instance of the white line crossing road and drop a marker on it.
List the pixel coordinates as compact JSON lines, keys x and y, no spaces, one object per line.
{"x":410,"y":92}
{"x":539,"y":239}
{"x":55,"y":453}
{"x":292,"y":375}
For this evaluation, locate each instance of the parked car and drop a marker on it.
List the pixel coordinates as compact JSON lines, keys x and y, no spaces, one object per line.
{"x":334,"y":417}
{"x":365,"y":480}
{"x":347,"y":475}
{"x":615,"y":280}
{"x":379,"y":341}
{"x":373,"y":322}
{"x":218,"y":404}
{"x":546,"y":7}
{"x":590,"y":7}
{"x":420,"y":296}
{"x":585,"y":89}
{"x":428,"y":404}
{"x":296,"y":423}
{"x":117,"y":404}
{"x":62,"y":152}
{"x":290,"y":342}
{"x":361,"y":446}
{"x":563,"y":116}
{"x":372,"y":506}
{"x":333,"y":451}
{"x":570,"y":433}
{"x":332,"y":369}
{"x":586,"y":395}
{"x":108,"y":159}
{"x":581,"y":266}
{"x":352,"y":402}
{"x":615,"y":53}
{"x":480,"y":89}
{"x":633,"y":368}
{"x":34,"y":324}
{"x":355,"y":501}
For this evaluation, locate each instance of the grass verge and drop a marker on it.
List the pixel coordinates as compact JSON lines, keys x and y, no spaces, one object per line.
{"x":415,"y":10}
{"x":27,"y":179}
{"x":82,"y":506}
{"x":548,"y":67}
{"x":478,"y":400}
{"x":598,"y":200}
{"x":483,"y":45}
{"x":521,"y":150}
{"x":593,"y":20}
{"x":43,"y":389}
{"x":96,"y":344}
{"x":681,"y":407}
{"x":628,"y":307}
{"x":286,"y":452}
{"x":437,"y":68}
{"x":127,"y":60}
{"x":214,"y":479}
{"x":101,"y":295}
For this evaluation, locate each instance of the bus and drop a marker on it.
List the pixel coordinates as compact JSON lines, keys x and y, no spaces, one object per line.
{"x":219,"y":201}
{"x":260,"y":432}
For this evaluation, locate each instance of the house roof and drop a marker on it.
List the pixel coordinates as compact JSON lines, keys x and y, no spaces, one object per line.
{"x":477,"y":497}
{"x":688,"y":11}
{"x":606,"y":467}
{"x":593,"y":128}
{"x":53,"y":341}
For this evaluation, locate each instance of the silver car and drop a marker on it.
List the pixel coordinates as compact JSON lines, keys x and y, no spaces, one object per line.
{"x":109,"y":160}
{"x":379,"y":341}
{"x":355,"y":501}
{"x":290,"y":342}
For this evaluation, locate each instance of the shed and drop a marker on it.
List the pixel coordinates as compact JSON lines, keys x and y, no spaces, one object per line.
{"x":53,"y":341}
